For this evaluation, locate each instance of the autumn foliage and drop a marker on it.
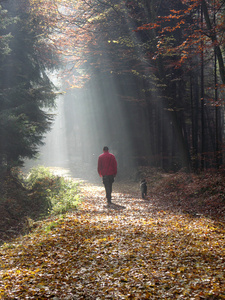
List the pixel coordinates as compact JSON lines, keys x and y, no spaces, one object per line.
{"x":139,"y":249}
{"x":161,"y":58}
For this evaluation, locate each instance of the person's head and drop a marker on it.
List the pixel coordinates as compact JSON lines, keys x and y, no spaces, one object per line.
{"x":105,"y":149}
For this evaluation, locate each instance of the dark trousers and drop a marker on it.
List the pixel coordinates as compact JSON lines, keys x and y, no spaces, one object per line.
{"x":108,"y":181}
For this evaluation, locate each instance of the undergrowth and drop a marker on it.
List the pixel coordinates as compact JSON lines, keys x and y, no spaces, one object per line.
{"x":26,"y":199}
{"x":54,"y":194}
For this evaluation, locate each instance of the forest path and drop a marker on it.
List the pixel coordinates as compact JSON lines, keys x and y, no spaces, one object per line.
{"x":134,"y":250}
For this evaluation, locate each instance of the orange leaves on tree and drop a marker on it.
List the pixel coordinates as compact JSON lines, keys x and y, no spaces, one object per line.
{"x":196,"y":36}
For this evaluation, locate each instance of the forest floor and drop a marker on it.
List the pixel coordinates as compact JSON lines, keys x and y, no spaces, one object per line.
{"x":169,"y":246}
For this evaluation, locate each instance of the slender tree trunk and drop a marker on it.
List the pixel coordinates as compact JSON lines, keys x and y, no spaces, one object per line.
{"x":202,"y":103}
{"x":194,"y":122}
{"x":218,"y":142}
{"x":181,"y":143}
{"x":216,"y":113}
{"x":214,"y":40}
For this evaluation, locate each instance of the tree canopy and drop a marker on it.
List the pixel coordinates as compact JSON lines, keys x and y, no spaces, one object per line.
{"x":161,"y":60}
{"x":166,"y":58}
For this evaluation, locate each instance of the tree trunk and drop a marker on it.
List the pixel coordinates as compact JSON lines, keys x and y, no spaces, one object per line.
{"x":202,"y":103}
{"x":214,"y":40}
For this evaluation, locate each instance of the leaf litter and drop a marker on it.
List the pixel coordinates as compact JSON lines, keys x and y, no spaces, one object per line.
{"x":136,"y":249}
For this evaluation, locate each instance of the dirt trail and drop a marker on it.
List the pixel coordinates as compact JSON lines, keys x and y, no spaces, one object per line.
{"x":133,"y":250}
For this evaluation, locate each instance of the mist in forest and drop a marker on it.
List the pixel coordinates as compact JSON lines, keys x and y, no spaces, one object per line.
{"x":85,"y":121}
{"x":124,"y":106}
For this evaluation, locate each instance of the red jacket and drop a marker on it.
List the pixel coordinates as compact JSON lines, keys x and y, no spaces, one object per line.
{"x":107,"y":164}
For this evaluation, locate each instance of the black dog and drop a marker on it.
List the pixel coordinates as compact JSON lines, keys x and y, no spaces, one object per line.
{"x":143,"y":186}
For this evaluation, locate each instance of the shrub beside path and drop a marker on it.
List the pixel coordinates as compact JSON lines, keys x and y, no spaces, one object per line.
{"x":133,"y":250}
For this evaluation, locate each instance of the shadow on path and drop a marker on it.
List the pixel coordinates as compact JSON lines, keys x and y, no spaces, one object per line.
{"x":114,"y":206}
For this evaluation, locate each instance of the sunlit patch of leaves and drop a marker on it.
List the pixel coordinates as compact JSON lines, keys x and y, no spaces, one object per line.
{"x":141,"y":252}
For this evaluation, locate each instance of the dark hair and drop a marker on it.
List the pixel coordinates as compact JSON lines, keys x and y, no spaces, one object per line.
{"x":105,"y":148}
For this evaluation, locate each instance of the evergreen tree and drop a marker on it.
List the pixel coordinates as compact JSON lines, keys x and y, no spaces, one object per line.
{"x":25,"y":89}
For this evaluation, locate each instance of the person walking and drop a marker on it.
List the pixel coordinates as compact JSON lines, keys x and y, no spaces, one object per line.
{"x":107,"y":169}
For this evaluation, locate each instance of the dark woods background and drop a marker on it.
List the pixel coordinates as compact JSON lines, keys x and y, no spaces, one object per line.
{"x":145,"y":78}
{"x":155,"y":92}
